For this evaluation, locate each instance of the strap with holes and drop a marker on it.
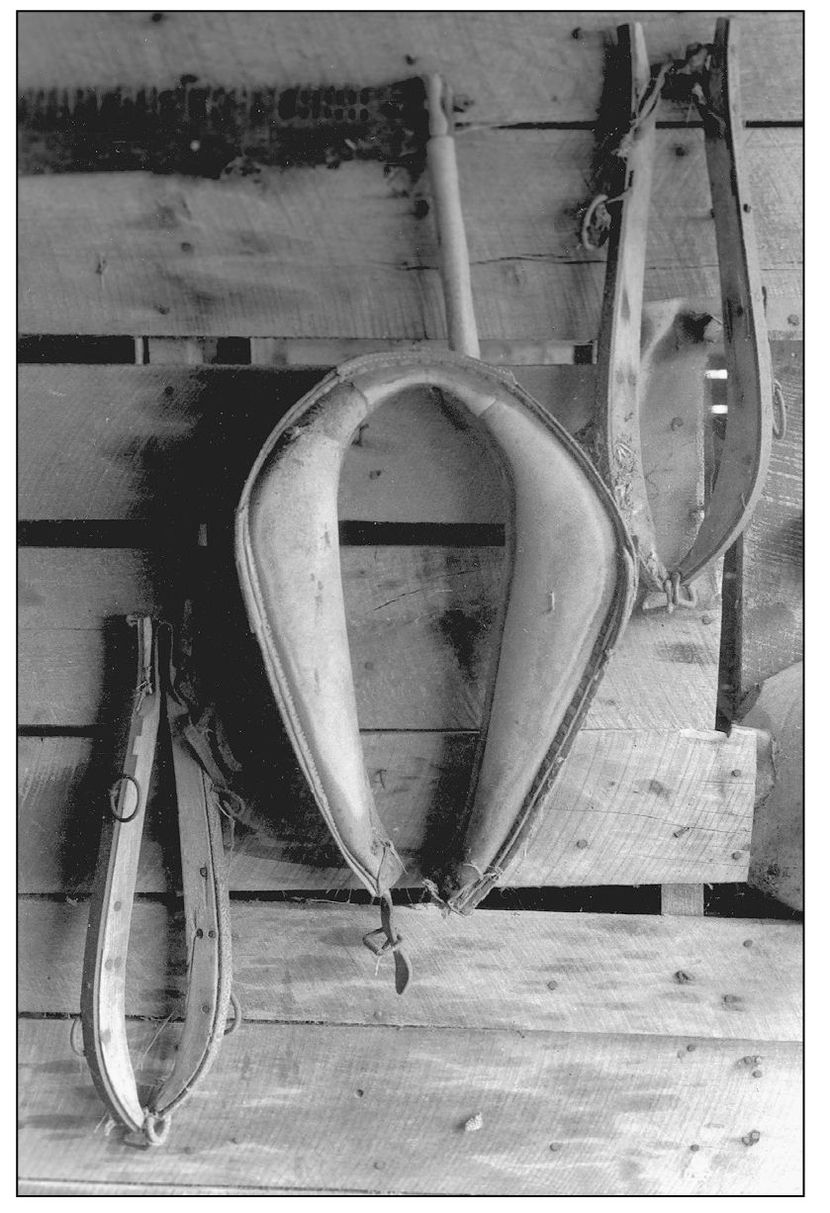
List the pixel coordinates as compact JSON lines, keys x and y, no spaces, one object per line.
{"x":745,"y":455}
{"x":207,"y":925}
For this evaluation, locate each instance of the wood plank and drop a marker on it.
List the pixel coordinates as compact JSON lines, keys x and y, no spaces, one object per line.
{"x":311,"y":253}
{"x":628,"y":808}
{"x":433,"y":604}
{"x":628,"y":1110}
{"x":682,"y":899}
{"x":777,"y":858}
{"x":542,"y":971}
{"x":772,"y":548}
{"x":512,"y":67}
{"x":103,"y":1187}
{"x":124,"y":442}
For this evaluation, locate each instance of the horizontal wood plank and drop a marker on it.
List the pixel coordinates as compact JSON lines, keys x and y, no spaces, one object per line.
{"x":431,"y":605}
{"x":310,"y":253}
{"x":384,"y":1109}
{"x":138,"y":442}
{"x":598,"y":973}
{"x":511,"y":67}
{"x":628,"y":808}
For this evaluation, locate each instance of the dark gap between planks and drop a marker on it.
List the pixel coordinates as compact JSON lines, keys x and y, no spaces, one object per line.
{"x":734,"y":900}
{"x":119,"y":533}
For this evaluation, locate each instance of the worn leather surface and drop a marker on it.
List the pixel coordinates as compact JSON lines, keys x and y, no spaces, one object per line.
{"x":571,"y":584}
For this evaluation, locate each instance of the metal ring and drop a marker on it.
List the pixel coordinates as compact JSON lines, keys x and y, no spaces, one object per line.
{"x":587,"y":219}
{"x":115,"y":789}
{"x":237,"y":1016}
{"x":156,"y":1128}
{"x":73,"y":1037}
{"x":779,"y":424}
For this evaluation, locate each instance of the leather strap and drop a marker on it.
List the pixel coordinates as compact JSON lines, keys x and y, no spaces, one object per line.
{"x":207,"y":925}
{"x":749,"y":386}
{"x":620,"y":374}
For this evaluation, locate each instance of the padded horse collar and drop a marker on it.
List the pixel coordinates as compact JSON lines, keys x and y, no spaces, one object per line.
{"x":622,"y":376}
{"x":571,"y":583}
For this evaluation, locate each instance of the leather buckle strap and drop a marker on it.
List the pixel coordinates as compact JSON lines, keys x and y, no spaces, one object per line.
{"x":207,"y":924}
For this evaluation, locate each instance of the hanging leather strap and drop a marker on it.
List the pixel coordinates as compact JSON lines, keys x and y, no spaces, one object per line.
{"x":207,"y":925}
{"x":745,"y":456}
{"x":749,"y":386}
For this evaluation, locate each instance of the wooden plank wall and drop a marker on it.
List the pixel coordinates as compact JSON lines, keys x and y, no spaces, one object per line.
{"x":672,"y":1043}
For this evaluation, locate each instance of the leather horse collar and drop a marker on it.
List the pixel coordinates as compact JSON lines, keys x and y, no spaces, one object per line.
{"x":570,"y":587}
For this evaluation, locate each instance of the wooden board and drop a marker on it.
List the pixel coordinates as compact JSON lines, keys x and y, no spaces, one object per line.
{"x":597,"y":973}
{"x":513,"y":67}
{"x":432,"y":603}
{"x":628,"y":808}
{"x":772,"y":558}
{"x":383,"y":1109}
{"x":136,"y":442}
{"x":311,"y":253}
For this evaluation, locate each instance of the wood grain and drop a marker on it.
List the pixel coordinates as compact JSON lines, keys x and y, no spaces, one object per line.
{"x":512,"y":67}
{"x":310,"y":253}
{"x":682,"y":899}
{"x":628,"y":808}
{"x":596,"y":973}
{"x":626,"y":1112}
{"x":772,"y":561}
{"x":125,"y":442}
{"x":431,"y":605}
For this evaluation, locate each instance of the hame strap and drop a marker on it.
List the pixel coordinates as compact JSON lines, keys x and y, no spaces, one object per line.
{"x":620,"y":374}
{"x":207,"y":925}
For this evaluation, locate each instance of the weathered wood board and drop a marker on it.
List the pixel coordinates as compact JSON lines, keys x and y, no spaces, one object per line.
{"x":596,"y":973}
{"x":140,"y":442}
{"x":772,"y":548}
{"x":562,"y":1113}
{"x":512,"y":67}
{"x":307,"y":252}
{"x":629,"y":808}
{"x":433,"y":603}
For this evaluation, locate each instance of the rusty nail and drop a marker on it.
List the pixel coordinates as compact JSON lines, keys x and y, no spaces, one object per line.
{"x":682,"y":977}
